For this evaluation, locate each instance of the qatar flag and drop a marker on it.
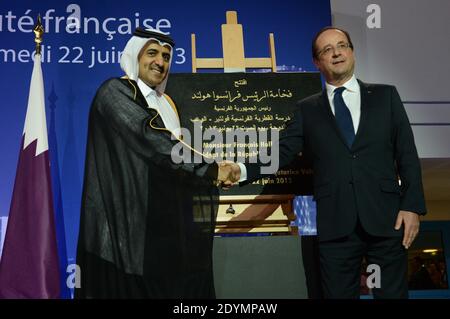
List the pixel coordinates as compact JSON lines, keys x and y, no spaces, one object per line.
{"x":29,"y":264}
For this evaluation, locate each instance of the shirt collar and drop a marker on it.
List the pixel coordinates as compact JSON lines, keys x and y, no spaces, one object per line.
{"x":145,"y":89}
{"x":351,"y":85}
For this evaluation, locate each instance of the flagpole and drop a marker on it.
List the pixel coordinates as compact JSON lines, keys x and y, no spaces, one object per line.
{"x":59,"y":217}
{"x":38,"y":32}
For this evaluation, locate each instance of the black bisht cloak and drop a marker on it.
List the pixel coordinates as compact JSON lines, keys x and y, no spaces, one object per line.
{"x":147,"y":224}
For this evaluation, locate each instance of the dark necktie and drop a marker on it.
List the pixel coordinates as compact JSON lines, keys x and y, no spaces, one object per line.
{"x":343,"y":116}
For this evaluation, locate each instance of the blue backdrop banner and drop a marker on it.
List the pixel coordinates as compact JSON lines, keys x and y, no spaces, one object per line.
{"x":81,"y":48}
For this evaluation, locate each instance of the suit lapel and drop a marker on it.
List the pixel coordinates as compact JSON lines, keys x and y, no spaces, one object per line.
{"x":328,"y":114}
{"x":366,"y":100}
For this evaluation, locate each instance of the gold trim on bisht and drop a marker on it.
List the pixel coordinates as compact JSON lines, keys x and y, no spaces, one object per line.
{"x":38,"y":32}
{"x":172,"y":104}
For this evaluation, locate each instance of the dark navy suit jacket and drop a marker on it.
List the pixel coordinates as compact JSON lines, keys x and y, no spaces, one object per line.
{"x":361,"y":181}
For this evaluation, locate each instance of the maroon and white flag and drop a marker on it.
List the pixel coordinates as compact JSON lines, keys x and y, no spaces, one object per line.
{"x":29,"y":262}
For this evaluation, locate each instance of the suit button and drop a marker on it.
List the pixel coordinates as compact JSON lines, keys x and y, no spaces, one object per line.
{"x":354,"y":156}
{"x":351,"y":182}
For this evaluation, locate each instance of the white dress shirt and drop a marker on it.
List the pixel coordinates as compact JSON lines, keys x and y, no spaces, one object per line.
{"x":159,"y":103}
{"x":352,"y":98}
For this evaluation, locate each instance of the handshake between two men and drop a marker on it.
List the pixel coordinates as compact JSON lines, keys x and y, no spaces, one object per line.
{"x":229,"y":174}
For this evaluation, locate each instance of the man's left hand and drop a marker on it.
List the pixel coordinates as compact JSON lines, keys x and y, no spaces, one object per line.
{"x":411,"y":221}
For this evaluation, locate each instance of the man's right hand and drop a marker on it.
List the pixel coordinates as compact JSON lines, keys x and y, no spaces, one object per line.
{"x":229,"y":174}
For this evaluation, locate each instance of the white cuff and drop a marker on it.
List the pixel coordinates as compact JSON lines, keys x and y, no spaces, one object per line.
{"x":243,"y":172}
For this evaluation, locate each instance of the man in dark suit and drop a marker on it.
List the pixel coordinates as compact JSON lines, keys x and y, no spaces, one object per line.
{"x":367,"y":175}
